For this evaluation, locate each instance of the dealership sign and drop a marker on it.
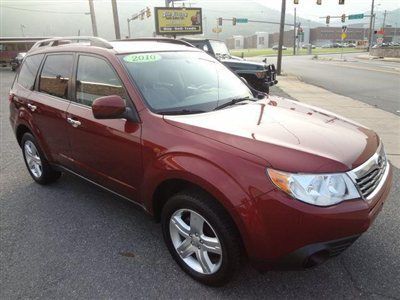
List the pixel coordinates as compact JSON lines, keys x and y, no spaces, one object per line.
{"x":178,"y":20}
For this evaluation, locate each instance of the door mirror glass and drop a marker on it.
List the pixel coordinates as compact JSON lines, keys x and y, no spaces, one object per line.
{"x":109,"y":107}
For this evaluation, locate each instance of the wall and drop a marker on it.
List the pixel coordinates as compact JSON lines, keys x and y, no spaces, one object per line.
{"x":382,"y":52}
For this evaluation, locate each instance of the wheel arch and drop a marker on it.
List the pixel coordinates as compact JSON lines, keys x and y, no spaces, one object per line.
{"x":20,"y":131}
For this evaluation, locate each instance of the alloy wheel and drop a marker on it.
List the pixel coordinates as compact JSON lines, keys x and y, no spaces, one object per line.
{"x":33,"y":159}
{"x":195,"y":241}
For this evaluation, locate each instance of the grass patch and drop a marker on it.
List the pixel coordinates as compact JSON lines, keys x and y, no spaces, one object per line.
{"x":289,"y":51}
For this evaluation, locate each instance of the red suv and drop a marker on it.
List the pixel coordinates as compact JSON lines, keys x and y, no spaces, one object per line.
{"x":229,"y":172}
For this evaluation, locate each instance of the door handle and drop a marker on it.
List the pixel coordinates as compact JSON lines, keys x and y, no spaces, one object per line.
{"x":74,"y":123}
{"x":32,"y":107}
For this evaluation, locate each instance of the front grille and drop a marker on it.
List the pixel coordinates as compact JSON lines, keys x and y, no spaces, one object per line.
{"x":371,"y":175}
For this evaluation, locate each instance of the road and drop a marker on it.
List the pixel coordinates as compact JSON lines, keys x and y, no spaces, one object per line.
{"x":374,"y":82}
{"x":73,"y":240}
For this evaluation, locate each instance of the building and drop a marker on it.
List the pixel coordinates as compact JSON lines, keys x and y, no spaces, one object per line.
{"x":235,"y":42}
{"x":259,"y":40}
{"x":318,"y":36}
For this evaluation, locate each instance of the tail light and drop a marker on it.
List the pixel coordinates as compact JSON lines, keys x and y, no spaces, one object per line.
{"x":261,"y":74}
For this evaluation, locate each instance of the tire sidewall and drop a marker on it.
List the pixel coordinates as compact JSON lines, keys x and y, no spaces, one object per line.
{"x":186,"y":202}
{"x":29,"y":137}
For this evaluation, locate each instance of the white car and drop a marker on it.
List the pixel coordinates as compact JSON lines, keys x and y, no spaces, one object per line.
{"x":276,"y":47}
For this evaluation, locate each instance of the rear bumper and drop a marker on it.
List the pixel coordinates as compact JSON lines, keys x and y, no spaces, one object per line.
{"x":290,"y":234}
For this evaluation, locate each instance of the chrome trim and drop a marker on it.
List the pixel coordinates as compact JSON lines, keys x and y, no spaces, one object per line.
{"x":381,"y":183}
{"x":377,"y":161}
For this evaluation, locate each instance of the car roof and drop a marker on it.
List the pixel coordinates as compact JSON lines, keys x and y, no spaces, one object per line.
{"x":96,"y":45}
{"x":193,"y":39}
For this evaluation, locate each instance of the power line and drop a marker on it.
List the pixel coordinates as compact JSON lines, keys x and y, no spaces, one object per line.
{"x":46,"y":11}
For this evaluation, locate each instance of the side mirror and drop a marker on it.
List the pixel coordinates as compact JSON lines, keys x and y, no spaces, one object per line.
{"x":109,"y":107}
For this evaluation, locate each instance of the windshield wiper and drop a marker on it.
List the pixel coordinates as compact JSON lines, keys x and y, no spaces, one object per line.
{"x":232,"y":102}
{"x":181,"y":112}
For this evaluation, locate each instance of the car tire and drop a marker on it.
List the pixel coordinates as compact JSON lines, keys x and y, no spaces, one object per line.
{"x":36,"y":163}
{"x":213,"y":254}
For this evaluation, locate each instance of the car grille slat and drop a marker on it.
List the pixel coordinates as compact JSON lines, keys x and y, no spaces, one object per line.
{"x":371,"y":177}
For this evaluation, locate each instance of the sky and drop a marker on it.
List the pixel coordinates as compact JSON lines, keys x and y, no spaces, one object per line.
{"x":70,"y":17}
{"x":310,"y":10}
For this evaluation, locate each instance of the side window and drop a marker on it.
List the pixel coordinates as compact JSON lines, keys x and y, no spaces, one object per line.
{"x":29,"y":69}
{"x":56,"y":74}
{"x":95,"y":78}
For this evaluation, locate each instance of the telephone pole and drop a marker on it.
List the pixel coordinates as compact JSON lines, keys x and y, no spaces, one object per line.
{"x":93,"y":18}
{"x":294,"y":33}
{"x":384,"y":20}
{"x":281,"y":32}
{"x":116,"y":21}
{"x":371,"y":29}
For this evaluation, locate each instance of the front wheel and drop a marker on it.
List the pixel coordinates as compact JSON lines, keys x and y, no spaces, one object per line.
{"x":201,"y":237}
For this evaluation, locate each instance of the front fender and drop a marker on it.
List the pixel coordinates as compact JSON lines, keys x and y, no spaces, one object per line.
{"x":238,"y":202}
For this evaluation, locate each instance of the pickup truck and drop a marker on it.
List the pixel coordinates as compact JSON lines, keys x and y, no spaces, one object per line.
{"x":259,"y":76}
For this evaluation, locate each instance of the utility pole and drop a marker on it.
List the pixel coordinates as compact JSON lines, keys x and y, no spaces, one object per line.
{"x":129,"y":28}
{"x":93,"y":18}
{"x":281,"y":32}
{"x":166,"y":3}
{"x":371,"y":30}
{"x":384,"y":21}
{"x":294,"y":33}
{"x":116,"y":21}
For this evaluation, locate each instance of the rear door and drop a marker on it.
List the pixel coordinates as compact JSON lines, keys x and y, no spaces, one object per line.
{"x":49,"y":102}
{"x":105,"y":151}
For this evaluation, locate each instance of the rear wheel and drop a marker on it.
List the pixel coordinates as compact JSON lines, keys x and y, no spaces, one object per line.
{"x":37,"y":165}
{"x":201,"y":237}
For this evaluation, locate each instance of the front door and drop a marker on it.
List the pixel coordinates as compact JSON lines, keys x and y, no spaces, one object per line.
{"x":105,"y":151}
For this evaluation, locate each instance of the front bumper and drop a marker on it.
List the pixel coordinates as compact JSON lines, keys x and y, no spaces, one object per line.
{"x":291,"y":234}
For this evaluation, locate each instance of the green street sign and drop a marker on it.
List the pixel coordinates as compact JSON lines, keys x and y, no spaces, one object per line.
{"x":355,"y":17}
{"x":242,"y":20}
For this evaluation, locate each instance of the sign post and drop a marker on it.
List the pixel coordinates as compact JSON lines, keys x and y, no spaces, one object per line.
{"x":178,"y":20}
{"x":344,"y":36}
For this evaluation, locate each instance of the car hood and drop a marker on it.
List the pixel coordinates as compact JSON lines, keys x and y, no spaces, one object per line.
{"x":288,"y":135}
{"x":243,"y":64}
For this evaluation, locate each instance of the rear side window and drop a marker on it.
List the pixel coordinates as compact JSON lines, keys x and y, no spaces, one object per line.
{"x":56,"y":74}
{"x":96,"y":78}
{"x":29,"y":69}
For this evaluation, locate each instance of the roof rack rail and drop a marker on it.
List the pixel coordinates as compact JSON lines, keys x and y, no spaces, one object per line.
{"x":158,"y":39}
{"x":52,"y":42}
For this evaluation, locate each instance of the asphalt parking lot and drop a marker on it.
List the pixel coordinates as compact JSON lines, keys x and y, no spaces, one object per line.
{"x":74,"y":240}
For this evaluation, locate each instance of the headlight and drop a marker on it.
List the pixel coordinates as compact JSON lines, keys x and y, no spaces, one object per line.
{"x":317,"y":189}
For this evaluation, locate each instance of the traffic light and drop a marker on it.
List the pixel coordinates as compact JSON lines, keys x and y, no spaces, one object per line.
{"x":219,"y":21}
{"x":328,"y":19}
{"x":319,"y":2}
{"x":233,"y":21}
{"x":341,"y":2}
{"x":148,"y":12}
{"x":343,"y":18}
{"x":295,"y":1}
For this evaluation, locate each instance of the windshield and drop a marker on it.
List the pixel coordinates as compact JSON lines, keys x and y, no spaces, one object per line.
{"x":219,"y":48}
{"x":183,"y":81}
